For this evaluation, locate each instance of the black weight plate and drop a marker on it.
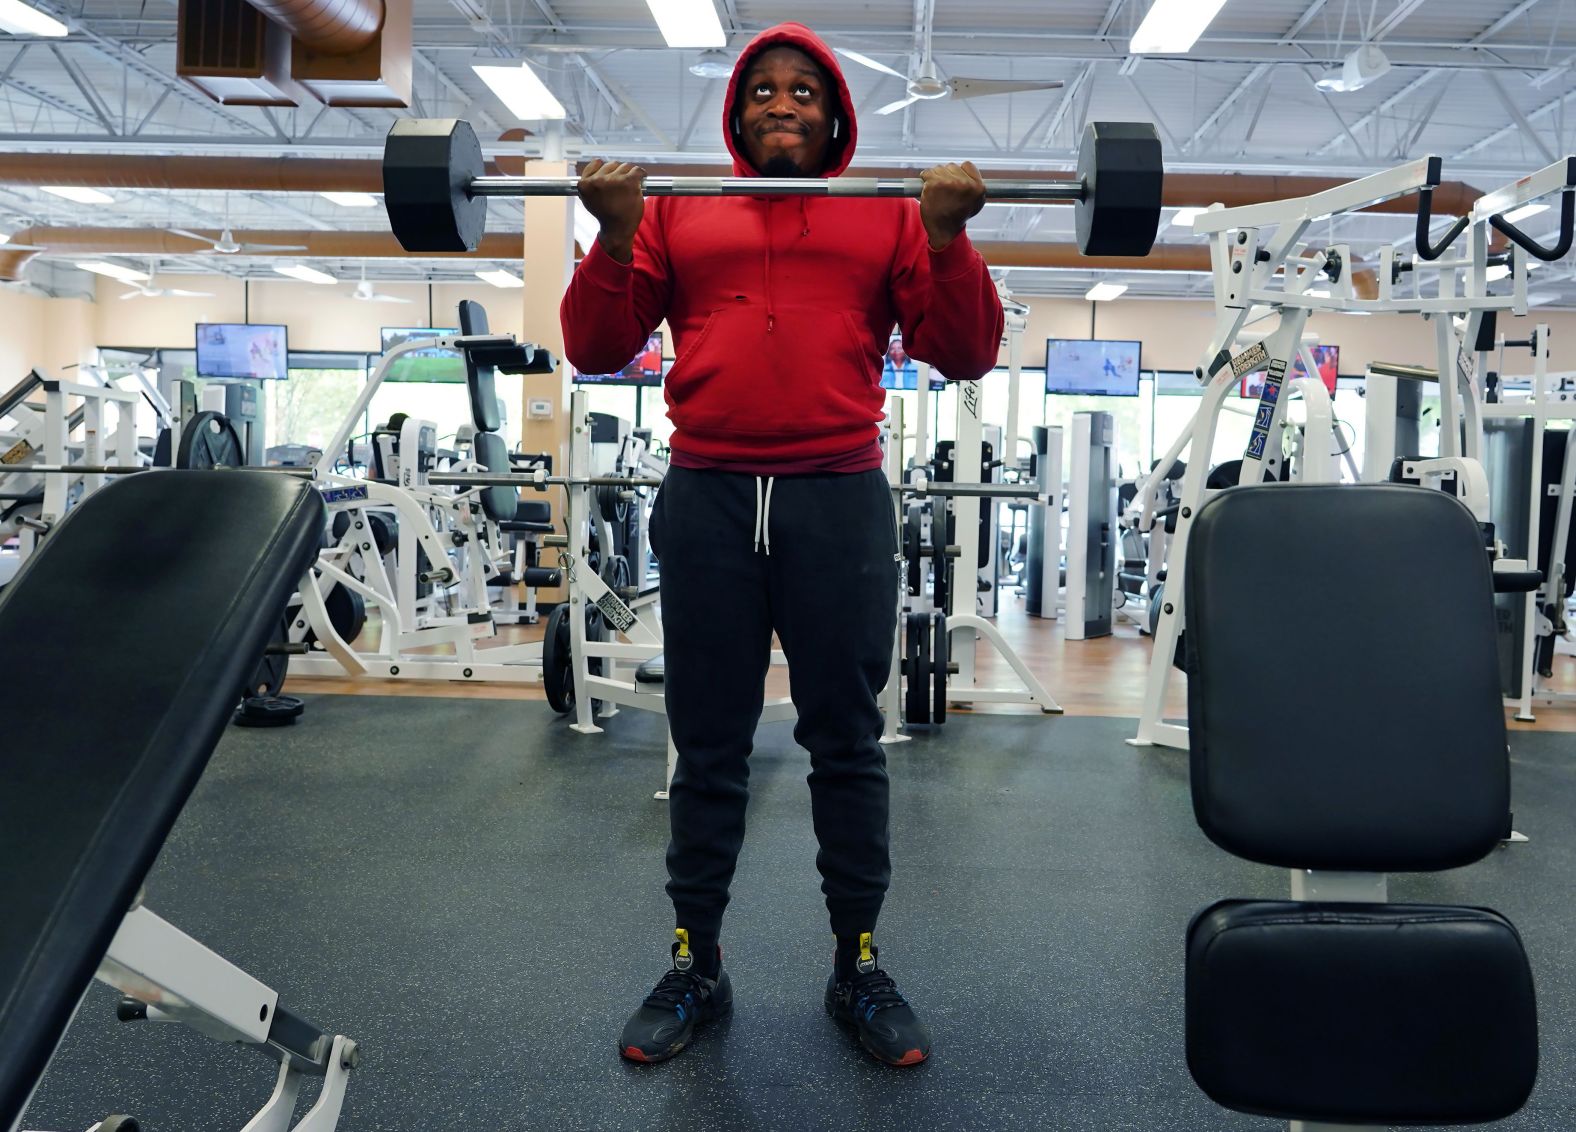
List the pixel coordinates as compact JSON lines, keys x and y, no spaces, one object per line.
{"x":208,"y":440}
{"x":914,"y":541}
{"x":941,"y":653}
{"x":916,"y":698}
{"x":269,"y":711}
{"x":385,"y":532}
{"x":428,"y":166}
{"x":347,"y":613}
{"x":616,"y":575}
{"x":1123,"y":171}
{"x":611,"y":504}
{"x":270,"y":675}
{"x":557,"y":670}
{"x":161,"y":449}
{"x":1157,"y":600}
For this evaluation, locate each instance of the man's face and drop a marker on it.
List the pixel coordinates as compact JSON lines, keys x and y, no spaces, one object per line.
{"x":785,"y":114}
{"x":895,"y":352}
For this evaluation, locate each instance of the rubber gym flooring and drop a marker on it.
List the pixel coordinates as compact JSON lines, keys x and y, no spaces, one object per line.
{"x":474,"y":893}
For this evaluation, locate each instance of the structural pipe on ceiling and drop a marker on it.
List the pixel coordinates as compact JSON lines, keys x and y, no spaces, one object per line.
{"x":325,"y":174}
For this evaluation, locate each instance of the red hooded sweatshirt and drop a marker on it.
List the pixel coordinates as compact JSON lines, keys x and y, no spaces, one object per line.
{"x":781,"y":308}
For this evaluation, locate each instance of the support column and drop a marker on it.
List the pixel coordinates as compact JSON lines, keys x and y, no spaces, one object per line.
{"x":548,"y":250}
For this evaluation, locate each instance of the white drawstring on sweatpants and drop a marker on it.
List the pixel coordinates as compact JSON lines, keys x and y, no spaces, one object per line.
{"x":763,"y":512}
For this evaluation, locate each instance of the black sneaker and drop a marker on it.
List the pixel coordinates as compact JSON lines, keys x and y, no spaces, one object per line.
{"x":869,"y":1001}
{"x":682,"y":1000}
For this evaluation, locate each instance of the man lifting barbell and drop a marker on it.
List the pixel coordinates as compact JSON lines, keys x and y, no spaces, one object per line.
{"x":776,"y":514}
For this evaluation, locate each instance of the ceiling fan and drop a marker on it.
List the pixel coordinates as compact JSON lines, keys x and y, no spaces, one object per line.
{"x":150,"y":289}
{"x":226,"y":245}
{"x":925,"y":84}
{"x":366,"y":294}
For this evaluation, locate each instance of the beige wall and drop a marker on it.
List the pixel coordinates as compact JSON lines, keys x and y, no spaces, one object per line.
{"x":317,"y":317}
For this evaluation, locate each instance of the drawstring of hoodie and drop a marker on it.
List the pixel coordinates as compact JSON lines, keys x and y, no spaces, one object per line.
{"x":763,"y":513}
{"x":804,"y":231}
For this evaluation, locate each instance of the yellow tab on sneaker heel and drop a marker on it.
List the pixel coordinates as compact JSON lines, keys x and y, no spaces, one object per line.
{"x":683,"y":935}
{"x":864,"y":946}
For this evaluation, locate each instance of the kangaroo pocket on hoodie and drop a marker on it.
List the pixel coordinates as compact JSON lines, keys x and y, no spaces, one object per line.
{"x":744,"y":360}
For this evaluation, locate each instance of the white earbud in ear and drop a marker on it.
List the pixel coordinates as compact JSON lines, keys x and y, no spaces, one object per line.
{"x":836,"y":125}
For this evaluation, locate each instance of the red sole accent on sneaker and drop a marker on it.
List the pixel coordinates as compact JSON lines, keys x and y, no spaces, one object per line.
{"x":912,"y":1057}
{"x":634,"y":1054}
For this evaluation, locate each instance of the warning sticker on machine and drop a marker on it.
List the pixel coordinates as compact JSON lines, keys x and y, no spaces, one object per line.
{"x":18,"y":452}
{"x":1250,"y":359}
{"x":1272,"y":382}
{"x":1466,"y":362}
{"x":618,"y":615}
{"x":1266,"y":414}
{"x":1256,"y":444}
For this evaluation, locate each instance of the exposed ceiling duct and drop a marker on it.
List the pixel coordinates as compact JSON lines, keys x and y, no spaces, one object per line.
{"x":336,"y":27}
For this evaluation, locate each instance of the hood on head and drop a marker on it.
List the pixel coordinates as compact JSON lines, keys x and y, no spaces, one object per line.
{"x":840,"y":153}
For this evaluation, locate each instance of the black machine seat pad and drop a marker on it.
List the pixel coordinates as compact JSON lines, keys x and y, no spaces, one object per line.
{"x":500,"y":504}
{"x":651,"y":671}
{"x":1343,"y":679}
{"x":479,"y":381}
{"x":129,"y":634}
{"x":1373,"y":1014}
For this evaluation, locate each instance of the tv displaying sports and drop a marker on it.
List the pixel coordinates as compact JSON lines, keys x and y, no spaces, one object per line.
{"x":1092,"y":368}
{"x":645,"y":369}
{"x":899,"y":371}
{"x":437,"y":367}
{"x":1327,"y":358}
{"x":242,"y":351}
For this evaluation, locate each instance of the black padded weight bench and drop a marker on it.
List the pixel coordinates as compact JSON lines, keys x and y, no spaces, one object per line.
{"x":1379,"y":748}
{"x":108,"y":732}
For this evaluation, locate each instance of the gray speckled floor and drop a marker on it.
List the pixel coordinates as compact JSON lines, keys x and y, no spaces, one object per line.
{"x":474,"y":893}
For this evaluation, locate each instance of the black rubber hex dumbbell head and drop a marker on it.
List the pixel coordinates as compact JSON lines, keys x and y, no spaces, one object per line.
{"x":428,"y":166}
{"x":1121,"y":166}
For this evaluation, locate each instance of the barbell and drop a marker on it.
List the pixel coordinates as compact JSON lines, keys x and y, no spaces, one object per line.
{"x":436,"y":195}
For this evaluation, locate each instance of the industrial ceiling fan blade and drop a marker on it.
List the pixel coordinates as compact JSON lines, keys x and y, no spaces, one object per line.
{"x":894,"y":107}
{"x":271,"y":247}
{"x":865,"y":60}
{"x":977,"y":88}
{"x":190,"y":294}
{"x":132,"y":295}
{"x":191,"y":235}
{"x":376,"y":298}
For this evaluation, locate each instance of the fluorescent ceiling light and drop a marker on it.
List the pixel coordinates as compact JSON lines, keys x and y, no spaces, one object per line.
{"x":1172,"y":26}
{"x":23,"y":19}
{"x":79,"y":194}
{"x":1103,"y":292}
{"x":1184,"y":217}
{"x":688,"y":23}
{"x":114,"y":271}
{"x":304,"y":273}
{"x":1524,"y":212}
{"x":351,"y":200}
{"x":498,"y":277}
{"x":519,"y":88}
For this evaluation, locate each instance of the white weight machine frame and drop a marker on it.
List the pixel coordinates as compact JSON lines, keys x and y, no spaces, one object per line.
{"x":1245,"y":261}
